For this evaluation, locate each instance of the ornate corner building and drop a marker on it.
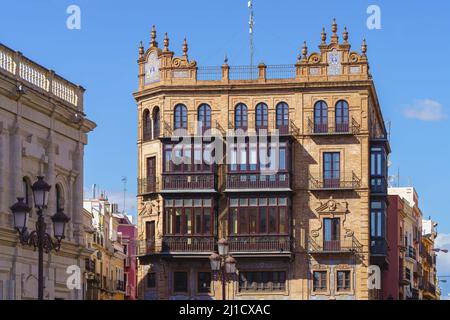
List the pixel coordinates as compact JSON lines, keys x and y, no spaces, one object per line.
{"x":310,"y":229}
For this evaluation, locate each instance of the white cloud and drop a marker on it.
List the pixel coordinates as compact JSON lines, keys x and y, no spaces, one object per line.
{"x":443,"y":259}
{"x":425,"y":110}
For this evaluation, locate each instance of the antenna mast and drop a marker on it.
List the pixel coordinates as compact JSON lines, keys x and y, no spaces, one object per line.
{"x":252,"y":43}
{"x":124,"y":181}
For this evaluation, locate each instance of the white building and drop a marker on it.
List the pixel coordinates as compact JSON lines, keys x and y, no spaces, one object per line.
{"x":43,"y":131}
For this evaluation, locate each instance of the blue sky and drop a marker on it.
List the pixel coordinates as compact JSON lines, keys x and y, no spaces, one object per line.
{"x":408,"y":59}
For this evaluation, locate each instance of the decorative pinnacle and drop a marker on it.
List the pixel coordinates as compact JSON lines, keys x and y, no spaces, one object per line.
{"x":153,"y":42}
{"x":305,"y":50}
{"x":185,"y":47}
{"x":364,"y":48}
{"x":345,"y":35}
{"x":166,"y":42}
{"x":334,"y":26}
{"x":141,"y":49}
{"x":324,"y":36}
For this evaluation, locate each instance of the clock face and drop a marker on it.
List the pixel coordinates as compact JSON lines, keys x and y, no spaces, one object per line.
{"x":152,"y":68}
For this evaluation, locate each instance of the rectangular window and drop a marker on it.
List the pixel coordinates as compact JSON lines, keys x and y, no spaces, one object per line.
{"x":319,"y":281}
{"x":151,"y":280}
{"x":377,"y":219}
{"x":331,"y":169}
{"x":180,"y":282}
{"x":263,"y":220}
{"x":272,"y":220}
{"x":234,"y":221}
{"x":331,"y":234}
{"x":204,"y":282}
{"x":260,"y":281}
{"x":282,"y":159}
{"x":343,"y":280}
{"x":198,"y":220}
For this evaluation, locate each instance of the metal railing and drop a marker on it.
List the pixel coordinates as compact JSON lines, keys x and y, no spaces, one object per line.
{"x":120,"y":285}
{"x":23,"y":68}
{"x":209,"y":73}
{"x":345,"y":245}
{"x":283,"y":71}
{"x":429,"y":287}
{"x":411,"y":252}
{"x":148,"y":185}
{"x":188,"y":181}
{"x":188,"y":243}
{"x":243,"y":73}
{"x":342,"y":183}
{"x":338,"y":129}
{"x":255,"y":243}
{"x":257,"y":181}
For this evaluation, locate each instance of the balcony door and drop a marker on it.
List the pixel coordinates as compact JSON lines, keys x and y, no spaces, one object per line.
{"x":331,"y":234}
{"x":150,"y":233}
{"x":151,"y":174}
{"x":331,"y":169}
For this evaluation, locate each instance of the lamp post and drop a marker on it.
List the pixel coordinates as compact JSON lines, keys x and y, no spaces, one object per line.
{"x":38,"y":238}
{"x":223,"y":265}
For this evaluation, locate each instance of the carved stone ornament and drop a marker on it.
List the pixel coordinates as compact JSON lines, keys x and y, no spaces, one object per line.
{"x":332,"y":207}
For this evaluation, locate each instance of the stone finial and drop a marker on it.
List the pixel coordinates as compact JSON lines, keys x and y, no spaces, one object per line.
{"x":324,"y":36}
{"x":166,"y":42}
{"x":305,"y":50}
{"x":345,"y":35}
{"x":364,"y":48}
{"x":141,"y":49}
{"x":153,"y":42}
{"x":334,"y":26}
{"x":185,"y":47}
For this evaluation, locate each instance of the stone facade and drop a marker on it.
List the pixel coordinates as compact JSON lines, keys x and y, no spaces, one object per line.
{"x":293,"y":257}
{"x":43,"y":131}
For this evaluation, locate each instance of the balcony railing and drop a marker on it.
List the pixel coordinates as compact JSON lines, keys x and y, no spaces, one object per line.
{"x":120,"y":286}
{"x":146,"y":247}
{"x":258,"y":181}
{"x":429,"y":288}
{"x":348,"y":244}
{"x":259,"y":243}
{"x":411,"y":253}
{"x":189,"y":181}
{"x":188,"y":244}
{"x":148,"y":185}
{"x":338,"y":129}
{"x":343,"y":183}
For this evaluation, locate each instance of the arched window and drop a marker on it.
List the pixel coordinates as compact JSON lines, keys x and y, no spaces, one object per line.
{"x":147,"y":125}
{"x":26,"y":189}
{"x":262,"y":115}
{"x":320,"y":117}
{"x":240,"y":117}
{"x":204,"y":117}
{"x":283,"y":117}
{"x":342,"y":116}
{"x":180,"y":117}
{"x":59,"y":197}
{"x":156,"y":123}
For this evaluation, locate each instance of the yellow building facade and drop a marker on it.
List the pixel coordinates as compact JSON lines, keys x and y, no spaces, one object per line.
{"x":308,"y":230}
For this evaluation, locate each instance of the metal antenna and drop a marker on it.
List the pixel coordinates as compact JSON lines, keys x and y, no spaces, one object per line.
{"x":124,"y":181}
{"x":252,"y":43}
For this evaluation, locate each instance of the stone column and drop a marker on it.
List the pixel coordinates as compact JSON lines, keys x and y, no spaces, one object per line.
{"x":16,"y":165}
{"x":50,"y":176}
{"x":4,"y":174}
{"x":77,"y":193}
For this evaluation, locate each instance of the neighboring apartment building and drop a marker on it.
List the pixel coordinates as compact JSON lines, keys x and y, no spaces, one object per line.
{"x":107,"y":263}
{"x":128,"y":232}
{"x":429,"y":286}
{"x":309,"y":230}
{"x":43,"y":132}
{"x":412,"y":260}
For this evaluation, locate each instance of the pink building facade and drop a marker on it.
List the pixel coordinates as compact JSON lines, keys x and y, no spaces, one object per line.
{"x":129,"y":235}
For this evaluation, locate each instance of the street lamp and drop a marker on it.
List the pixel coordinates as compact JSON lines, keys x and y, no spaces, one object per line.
{"x":440,"y":250}
{"x":223,"y":264}
{"x":39,"y":238}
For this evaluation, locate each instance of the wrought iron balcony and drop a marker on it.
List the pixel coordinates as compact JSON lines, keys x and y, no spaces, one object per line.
{"x":411,"y":253}
{"x":429,"y":288}
{"x":188,"y":181}
{"x":343,"y":183}
{"x":258,"y":181}
{"x":259,"y":244}
{"x":148,"y":186}
{"x":146,"y":247}
{"x":338,"y":129}
{"x":202,"y":244}
{"x":120,"y":286}
{"x":89,"y":265}
{"x":346,"y":245}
